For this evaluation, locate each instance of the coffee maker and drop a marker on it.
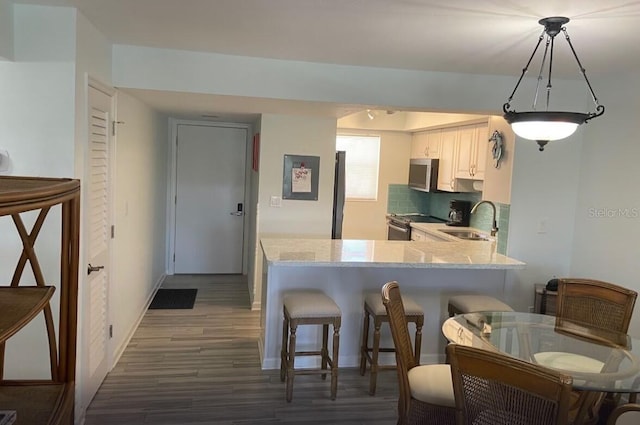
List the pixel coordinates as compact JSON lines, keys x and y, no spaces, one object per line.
{"x":459,"y":213}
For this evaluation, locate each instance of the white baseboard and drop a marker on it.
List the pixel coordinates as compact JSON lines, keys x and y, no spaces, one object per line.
{"x":120,"y":350}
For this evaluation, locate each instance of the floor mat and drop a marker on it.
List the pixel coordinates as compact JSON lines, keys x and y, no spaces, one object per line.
{"x":168,"y":299}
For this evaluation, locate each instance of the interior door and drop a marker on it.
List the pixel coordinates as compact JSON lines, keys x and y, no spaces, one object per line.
{"x":209,"y":228}
{"x":95,"y":339}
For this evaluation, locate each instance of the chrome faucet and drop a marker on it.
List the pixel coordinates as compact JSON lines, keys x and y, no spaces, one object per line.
{"x":494,"y":228}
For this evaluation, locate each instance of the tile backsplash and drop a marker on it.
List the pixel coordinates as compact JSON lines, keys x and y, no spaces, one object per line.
{"x":402,"y":200}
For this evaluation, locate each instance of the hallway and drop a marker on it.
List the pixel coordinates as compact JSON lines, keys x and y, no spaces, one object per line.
{"x":202,"y":366}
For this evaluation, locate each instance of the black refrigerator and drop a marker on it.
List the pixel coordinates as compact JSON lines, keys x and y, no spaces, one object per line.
{"x":338,"y":195}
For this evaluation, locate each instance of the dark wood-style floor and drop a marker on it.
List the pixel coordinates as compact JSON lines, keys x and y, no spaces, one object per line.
{"x":202,"y":366}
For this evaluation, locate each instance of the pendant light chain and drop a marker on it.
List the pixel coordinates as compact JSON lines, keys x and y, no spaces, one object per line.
{"x":541,"y":74}
{"x":584,"y":74}
{"x":507,"y":105}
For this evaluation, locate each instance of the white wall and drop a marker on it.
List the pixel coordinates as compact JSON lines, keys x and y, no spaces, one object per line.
{"x":607,"y":217}
{"x":6,"y":30}
{"x":366,"y":219}
{"x":254,"y":251}
{"x":544,"y":189}
{"x":311,"y":136}
{"x":37,"y":128}
{"x":280,"y":135}
{"x":497,"y":181}
{"x":165,"y":69}
{"x":140,"y":187}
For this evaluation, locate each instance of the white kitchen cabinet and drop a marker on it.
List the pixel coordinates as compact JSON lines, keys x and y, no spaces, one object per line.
{"x":426,"y":144}
{"x":482,"y":150}
{"x":417,"y":235}
{"x":448,"y":160}
{"x":420,"y":235}
{"x":419,"y":144}
{"x":472,"y":151}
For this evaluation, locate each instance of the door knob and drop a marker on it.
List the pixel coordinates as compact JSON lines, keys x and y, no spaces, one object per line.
{"x":91,"y":268}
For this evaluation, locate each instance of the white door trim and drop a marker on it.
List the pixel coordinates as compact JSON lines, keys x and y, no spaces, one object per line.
{"x":173,"y":179}
{"x":83,"y":320}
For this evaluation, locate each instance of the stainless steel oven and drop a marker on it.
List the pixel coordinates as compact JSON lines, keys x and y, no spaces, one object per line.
{"x":399,"y":225}
{"x":398,"y":231}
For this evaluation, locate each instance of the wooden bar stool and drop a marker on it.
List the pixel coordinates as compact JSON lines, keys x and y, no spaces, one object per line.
{"x":373,"y":307}
{"x":461,"y":304}
{"x":309,"y":308}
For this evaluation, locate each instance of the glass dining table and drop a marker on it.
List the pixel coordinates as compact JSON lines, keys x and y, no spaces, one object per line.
{"x":598,"y":361}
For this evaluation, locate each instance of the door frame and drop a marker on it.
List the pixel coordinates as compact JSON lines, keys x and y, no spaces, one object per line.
{"x":173,"y":181}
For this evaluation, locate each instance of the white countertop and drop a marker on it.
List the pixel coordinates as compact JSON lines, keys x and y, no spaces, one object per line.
{"x":453,"y":254}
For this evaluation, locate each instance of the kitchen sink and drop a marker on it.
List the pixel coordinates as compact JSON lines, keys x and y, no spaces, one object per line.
{"x":466,"y":234}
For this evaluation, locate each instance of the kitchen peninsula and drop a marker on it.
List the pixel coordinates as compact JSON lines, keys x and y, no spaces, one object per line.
{"x":346,"y":270}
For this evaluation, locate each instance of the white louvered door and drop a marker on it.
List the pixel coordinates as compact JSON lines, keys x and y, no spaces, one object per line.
{"x":97,"y":238}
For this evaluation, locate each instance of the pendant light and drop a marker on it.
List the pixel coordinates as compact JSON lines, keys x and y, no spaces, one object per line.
{"x":544,"y":126}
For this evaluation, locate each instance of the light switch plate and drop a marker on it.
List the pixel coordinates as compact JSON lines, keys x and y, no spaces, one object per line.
{"x":275,"y":201}
{"x":542,"y":225}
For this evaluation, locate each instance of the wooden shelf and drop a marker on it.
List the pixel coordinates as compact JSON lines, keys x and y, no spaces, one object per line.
{"x":38,"y":402}
{"x":19,"y":305}
{"x":18,"y":194}
{"x":42,"y":401}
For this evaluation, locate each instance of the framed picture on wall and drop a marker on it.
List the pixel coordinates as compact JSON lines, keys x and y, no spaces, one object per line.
{"x":300,"y":177}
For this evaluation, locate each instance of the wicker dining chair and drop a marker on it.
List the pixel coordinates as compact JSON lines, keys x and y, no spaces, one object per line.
{"x":494,"y":389}
{"x":625,"y":414}
{"x":600,"y":305}
{"x":426,"y":392}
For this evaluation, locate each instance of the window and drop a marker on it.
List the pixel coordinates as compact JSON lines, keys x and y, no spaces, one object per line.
{"x":361,"y":166}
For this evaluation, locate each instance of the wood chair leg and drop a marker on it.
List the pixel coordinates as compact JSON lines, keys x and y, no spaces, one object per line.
{"x":284,"y":350}
{"x":364,"y":350}
{"x":324,"y":352}
{"x":334,"y":361}
{"x":375,"y":350}
{"x":291,"y":360}
{"x":418,"y":340}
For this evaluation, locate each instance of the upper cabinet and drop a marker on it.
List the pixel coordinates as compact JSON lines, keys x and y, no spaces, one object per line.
{"x":448,"y":160}
{"x":473,"y":147}
{"x":465,"y":156}
{"x":426,"y":144}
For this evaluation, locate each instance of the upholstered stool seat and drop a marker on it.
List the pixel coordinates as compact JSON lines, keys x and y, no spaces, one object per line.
{"x":309,"y":308}
{"x":460,"y":304}
{"x":373,"y":307}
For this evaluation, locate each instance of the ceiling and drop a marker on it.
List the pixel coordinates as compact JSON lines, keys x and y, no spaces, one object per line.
{"x":479,"y":36}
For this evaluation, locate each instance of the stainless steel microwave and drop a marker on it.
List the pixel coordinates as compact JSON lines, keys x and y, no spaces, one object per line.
{"x":423,"y":174}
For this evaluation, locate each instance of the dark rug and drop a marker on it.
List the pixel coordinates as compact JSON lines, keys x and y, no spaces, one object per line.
{"x":168,"y":299}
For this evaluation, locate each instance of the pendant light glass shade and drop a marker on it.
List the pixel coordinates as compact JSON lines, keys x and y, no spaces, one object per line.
{"x":544,"y":126}
{"x":544,"y":130}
